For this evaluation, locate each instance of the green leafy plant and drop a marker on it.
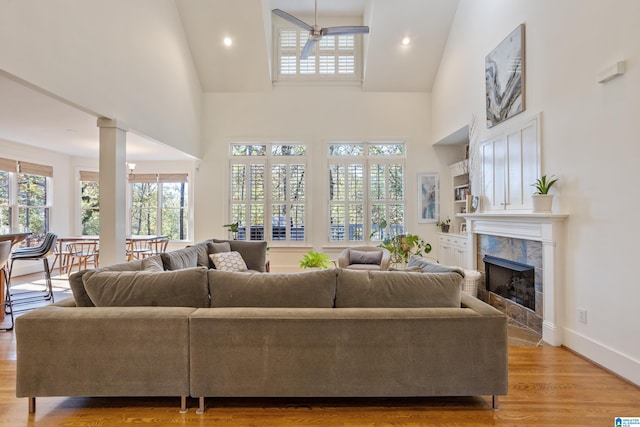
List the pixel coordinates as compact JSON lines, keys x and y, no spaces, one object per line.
{"x":445,"y":221}
{"x":313,"y":259}
{"x":405,"y":245}
{"x":544,"y":184}
{"x":233,"y":227}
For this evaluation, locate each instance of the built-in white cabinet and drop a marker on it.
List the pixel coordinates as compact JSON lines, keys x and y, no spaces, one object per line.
{"x":453,"y":250}
{"x":509,"y":165}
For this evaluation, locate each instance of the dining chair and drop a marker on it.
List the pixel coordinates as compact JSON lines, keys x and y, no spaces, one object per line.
{"x":157,"y":246}
{"x":5,"y":253}
{"x":81,"y":253}
{"x":137,"y":248}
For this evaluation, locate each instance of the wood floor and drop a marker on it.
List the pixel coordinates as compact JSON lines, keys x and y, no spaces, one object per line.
{"x":548,"y":386}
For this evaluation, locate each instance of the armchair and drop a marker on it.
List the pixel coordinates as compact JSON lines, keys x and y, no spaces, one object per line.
{"x":365,"y":258}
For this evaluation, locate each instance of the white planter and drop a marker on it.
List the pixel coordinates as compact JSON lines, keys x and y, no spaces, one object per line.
{"x":542,"y":203}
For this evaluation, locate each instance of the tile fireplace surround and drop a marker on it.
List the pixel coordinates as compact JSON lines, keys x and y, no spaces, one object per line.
{"x":545,"y":228}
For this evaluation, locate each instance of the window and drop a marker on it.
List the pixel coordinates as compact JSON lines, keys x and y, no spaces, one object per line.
{"x":90,"y":202}
{"x":159,"y":205}
{"x":24,"y":198}
{"x":366,"y":189}
{"x":332,"y":58}
{"x":268,"y":191}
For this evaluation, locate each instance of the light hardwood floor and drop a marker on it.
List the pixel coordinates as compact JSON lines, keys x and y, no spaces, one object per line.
{"x":548,"y":386}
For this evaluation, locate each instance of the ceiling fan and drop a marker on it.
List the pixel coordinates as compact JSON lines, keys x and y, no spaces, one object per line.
{"x":316,"y":32}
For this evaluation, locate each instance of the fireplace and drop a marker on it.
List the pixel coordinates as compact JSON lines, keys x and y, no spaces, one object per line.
{"x":511,"y":280}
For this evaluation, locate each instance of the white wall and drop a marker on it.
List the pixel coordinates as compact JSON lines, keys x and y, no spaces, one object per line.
{"x":125,"y":60}
{"x":314,"y":116}
{"x":589,"y":139}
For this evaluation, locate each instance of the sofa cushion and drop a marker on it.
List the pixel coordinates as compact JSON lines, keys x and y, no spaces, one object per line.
{"x":77,"y":285}
{"x":311,"y":289}
{"x":228,"y":261}
{"x":182,"y":258}
{"x":365,"y":257}
{"x":397,"y":289}
{"x":254,"y":253}
{"x":181,"y":288}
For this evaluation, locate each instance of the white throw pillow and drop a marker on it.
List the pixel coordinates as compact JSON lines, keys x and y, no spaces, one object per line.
{"x":228,"y":261}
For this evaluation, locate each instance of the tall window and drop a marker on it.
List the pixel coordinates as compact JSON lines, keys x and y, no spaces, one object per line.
{"x":24,"y":198}
{"x":366,"y":190}
{"x":159,"y":205}
{"x":268,"y":191}
{"x":332,"y":58}
{"x":90,"y":202}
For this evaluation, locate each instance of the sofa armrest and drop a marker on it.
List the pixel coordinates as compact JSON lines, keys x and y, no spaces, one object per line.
{"x":100,"y":351}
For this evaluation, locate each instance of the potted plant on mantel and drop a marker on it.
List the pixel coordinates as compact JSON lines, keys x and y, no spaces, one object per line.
{"x":542,"y":200}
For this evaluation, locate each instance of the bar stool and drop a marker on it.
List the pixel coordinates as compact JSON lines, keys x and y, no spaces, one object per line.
{"x":35,"y":254}
{"x":5,"y":253}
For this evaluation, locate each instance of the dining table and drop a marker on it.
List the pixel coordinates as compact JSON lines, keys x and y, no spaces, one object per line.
{"x":15,"y":236}
{"x":132,"y":241}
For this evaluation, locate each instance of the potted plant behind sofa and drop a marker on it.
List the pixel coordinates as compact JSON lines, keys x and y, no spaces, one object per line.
{"x":542,"y":200}
{"x":313,"y":259}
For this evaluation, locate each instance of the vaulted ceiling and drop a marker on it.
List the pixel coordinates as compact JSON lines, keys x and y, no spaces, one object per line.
{"x":30,"y":117}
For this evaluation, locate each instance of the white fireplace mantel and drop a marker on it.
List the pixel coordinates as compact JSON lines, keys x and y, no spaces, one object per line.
{"x":545,"y":228}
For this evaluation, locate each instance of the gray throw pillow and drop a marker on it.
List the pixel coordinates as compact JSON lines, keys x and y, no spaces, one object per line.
{"x":365,"y":257}
{"x":216,"y":248}
{"x":152,"y":263}
{"x":203,"y":253}
{"x":182,"y":258}
{"x":432,"y":267}
{"x":181,"y":288}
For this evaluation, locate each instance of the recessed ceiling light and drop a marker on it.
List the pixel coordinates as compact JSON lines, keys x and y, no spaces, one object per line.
{"x":406,"y":41}
{"x":228,"y":41}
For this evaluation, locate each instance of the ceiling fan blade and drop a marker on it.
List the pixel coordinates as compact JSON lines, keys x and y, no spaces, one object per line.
{"x":284,"y":15}
{"x":308,"y":47}
{"x":335,"y":31}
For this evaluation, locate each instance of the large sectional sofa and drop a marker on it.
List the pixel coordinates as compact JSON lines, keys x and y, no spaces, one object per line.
{"x":170,"y":325}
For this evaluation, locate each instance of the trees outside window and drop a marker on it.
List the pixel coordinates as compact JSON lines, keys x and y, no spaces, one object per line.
{"x":268,"y":191}
{"x":366,"y":190}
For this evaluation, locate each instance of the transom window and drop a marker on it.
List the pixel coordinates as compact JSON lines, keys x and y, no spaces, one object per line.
{"x":332,"y":58}
{"x":268,"y":191}
{"x":366,"y":189}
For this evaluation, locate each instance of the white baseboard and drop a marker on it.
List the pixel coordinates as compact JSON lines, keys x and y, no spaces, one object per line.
{"x":618,"y":363}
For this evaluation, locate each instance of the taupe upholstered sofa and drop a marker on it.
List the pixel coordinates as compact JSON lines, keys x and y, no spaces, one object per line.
{"x":327,"y":333}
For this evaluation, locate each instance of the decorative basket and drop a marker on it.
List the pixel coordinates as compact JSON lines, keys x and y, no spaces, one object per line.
{"x":471,"y":281}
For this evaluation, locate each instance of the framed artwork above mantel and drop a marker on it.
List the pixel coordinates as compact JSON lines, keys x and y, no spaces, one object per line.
{"x":505,"y":78}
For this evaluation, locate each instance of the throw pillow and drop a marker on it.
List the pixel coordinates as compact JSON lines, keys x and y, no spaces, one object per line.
{"x":203,"y":253}
{"x":182,"y":258}
{"x":228,"y":261}
{"x":216,"y":248}
{"x":365,"y":257}
{"x":153,"y":263}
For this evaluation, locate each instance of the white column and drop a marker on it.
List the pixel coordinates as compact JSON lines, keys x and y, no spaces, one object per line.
{"x":113,"y":202}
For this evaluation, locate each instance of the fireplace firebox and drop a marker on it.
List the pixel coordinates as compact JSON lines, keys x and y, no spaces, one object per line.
{"x":511,"y":280}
